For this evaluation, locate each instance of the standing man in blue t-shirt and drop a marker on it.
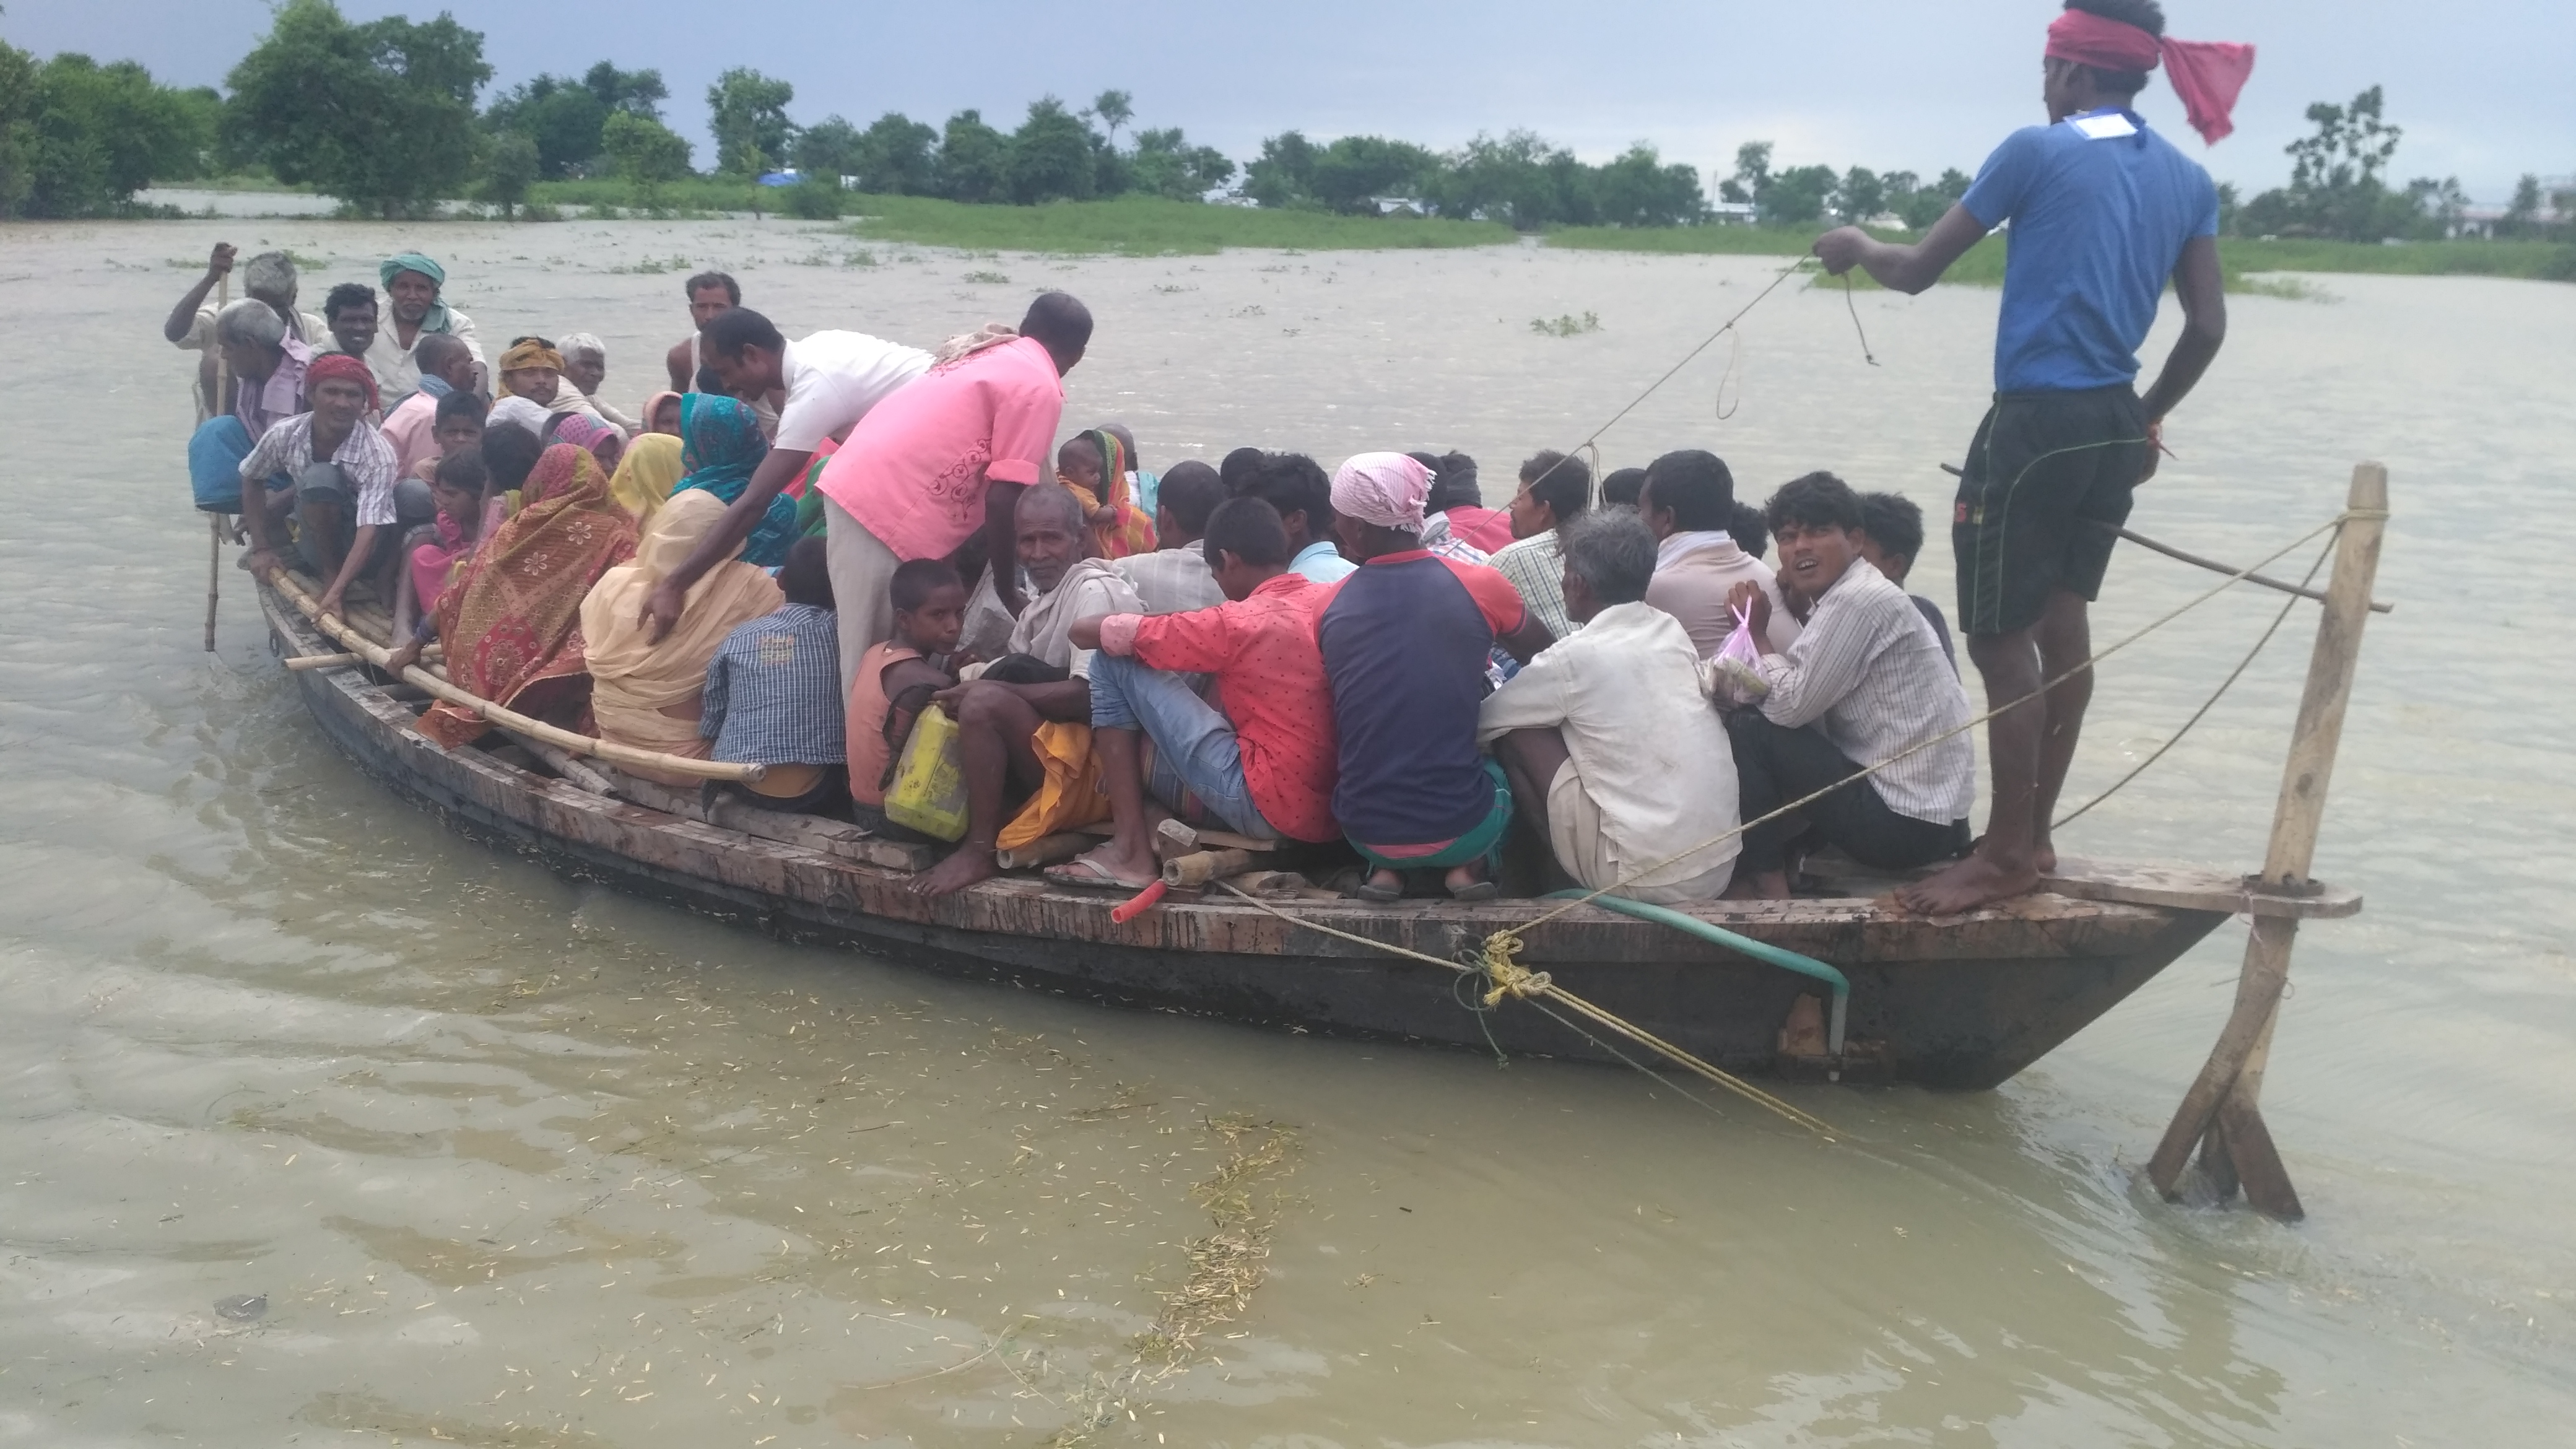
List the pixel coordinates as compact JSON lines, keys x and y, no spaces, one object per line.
{"x":2102,"y":212}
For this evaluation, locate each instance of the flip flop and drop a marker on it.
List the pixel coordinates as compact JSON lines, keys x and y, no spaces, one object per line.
{"x":1083,"y":871}
{"x":1370,"y":891}
{"x":1476,"y":890}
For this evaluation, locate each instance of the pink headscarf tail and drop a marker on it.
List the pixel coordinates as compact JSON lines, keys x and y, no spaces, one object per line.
{"x":2207,"y":74}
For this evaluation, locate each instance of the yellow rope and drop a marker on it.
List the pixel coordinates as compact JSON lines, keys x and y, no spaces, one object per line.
{"x":1513,"y":979}
{"x":1803,"y":801}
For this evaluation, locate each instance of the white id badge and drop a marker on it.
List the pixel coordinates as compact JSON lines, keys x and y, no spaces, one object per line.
{"x":2104,"y":125}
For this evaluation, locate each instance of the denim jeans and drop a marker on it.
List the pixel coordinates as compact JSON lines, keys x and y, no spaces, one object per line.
{"x":1195,"y":750}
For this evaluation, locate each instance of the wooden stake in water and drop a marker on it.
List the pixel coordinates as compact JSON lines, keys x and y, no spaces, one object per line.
{"x":2221,"y":1112}
{"x":215,"y":521}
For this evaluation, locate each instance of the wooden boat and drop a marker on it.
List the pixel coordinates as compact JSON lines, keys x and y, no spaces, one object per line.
{"x":1961,"y":1002}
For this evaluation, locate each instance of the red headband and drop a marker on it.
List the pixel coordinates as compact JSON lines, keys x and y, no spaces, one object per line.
{"x":2208,"y":75}
{"x":347,"y":369}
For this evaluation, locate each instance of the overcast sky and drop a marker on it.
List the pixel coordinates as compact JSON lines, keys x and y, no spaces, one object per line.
{"x":2482,"y":87}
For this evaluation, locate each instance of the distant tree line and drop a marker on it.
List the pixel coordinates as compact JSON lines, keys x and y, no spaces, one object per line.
{"x":2339,"y":188}
{"x":383,"y":114}
{"x":79,"y":139}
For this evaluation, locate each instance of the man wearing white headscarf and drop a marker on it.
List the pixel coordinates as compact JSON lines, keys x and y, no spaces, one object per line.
{"x":586,"y":368}
{"x":1405,"y":641}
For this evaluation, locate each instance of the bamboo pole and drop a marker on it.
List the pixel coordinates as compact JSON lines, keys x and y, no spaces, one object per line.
{"x":510,"y":719}
{"x":215,"y":521}
{"x":302,"y":662}
{"x":2229,"y":1087}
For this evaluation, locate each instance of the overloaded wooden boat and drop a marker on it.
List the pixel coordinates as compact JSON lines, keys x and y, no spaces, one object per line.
{"x":1961,"y":1002}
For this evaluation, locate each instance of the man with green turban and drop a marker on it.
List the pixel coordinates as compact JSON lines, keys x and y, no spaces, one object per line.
{"x":412,"y":285}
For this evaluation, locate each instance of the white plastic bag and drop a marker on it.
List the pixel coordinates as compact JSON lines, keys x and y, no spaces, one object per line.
{"x":1733,"y":678}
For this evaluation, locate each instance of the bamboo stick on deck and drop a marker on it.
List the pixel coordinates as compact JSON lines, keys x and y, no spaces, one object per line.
{"x":2221,"y":1112}
{"x":509,"y":719}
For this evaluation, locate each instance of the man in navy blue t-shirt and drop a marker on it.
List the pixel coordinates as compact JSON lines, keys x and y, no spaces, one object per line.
{"x":1405,"y":639}
{"x":2102,"y":212}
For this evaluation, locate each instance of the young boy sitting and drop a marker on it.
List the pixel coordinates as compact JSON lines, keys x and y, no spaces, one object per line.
{"x":1174,"y":578}
{"x":773,"y":692}
{"x":1266,"y":772}
{"x":897,"y":678}
{"x":456,"y":427}
{"x":1891,"y":538}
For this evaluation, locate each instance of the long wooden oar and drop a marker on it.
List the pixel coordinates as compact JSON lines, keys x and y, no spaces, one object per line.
{"x":508,"y":719}
{"x":215,"y":521}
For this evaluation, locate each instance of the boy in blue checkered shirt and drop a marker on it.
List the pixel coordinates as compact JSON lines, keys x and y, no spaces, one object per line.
{"x":773,"y":693}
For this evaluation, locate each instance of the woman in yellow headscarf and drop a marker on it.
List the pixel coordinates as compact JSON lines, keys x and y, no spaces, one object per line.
{"x":648,"y":694}
{"x":646,"y":473}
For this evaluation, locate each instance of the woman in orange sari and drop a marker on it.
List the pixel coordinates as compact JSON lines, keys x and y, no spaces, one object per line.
{"x":1093,"y":467}
{"x":511,"y":617}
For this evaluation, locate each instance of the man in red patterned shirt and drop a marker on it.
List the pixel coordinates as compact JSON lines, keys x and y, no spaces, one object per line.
{"x":1268,"y":770}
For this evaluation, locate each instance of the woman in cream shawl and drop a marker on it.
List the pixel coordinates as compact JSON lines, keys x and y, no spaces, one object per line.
{"x":646,"y":694}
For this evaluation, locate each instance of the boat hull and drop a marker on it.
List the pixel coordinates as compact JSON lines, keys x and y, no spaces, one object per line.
{"x":1963,"y":1004}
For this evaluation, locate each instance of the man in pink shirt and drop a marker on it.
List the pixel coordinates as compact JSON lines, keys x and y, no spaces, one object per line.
{"x":942,"y":460}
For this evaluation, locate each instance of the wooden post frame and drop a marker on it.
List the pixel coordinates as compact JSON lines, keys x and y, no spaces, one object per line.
{"x":2221,"y":1113}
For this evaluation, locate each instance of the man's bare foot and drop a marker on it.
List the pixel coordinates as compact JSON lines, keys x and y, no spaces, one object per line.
{"x":1976,"y":881}
{"x":2043,"y":856}
{"x":970,"y":864}
{"x":1767,"y":885}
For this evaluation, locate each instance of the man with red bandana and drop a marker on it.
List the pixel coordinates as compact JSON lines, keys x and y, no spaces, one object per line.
{"x":2103,"y":211}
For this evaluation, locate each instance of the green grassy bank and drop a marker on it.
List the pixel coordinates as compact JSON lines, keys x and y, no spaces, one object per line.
{"x":1122,"y":226}
{"x":1152,"y":226}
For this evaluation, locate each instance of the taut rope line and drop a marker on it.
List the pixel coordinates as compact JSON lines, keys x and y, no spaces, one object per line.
{"x":1593,"y":440}
{"x":1501,"y":949}
{"x":2224,"y":685}
{"x":1915,"y":749}
{"x":1510,"y":978}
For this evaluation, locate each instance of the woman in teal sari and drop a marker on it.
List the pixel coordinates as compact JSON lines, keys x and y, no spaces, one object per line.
{"x":720,"y":445}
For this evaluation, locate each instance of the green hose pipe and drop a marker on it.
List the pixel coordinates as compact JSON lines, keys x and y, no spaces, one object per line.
{"x":1779,"y":956}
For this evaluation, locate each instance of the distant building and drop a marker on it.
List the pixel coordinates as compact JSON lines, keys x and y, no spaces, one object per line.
{"x":1730,"y":213}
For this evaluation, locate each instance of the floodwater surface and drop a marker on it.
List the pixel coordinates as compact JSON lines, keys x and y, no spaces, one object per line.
{"x":467,"y":1152}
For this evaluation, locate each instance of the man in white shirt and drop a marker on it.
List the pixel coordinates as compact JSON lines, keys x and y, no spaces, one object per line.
{"x":1045,"y":678}
{"x":586,"y":368}
{"x":1865,"y":683}
{"x":1615,"y":755}
{"x":831,"y":380}
{"x":415,"y":290}
{"x":1174,"y":578}
{"x":268,"y":277}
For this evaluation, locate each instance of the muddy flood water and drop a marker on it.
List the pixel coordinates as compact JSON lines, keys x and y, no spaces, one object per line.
{"x":325,"y":1126}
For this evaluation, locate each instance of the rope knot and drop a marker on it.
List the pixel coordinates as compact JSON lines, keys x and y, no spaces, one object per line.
{"x":1510,"y":978}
